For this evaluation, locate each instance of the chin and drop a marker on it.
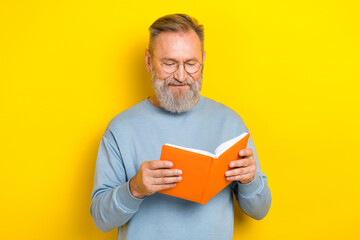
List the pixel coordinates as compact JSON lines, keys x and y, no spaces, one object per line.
{"x":179,"y":93}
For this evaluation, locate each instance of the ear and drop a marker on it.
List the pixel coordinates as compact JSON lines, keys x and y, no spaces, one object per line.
{"x":148,"y":60}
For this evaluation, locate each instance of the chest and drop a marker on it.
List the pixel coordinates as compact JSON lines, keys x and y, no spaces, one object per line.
{"x":144,"y":142}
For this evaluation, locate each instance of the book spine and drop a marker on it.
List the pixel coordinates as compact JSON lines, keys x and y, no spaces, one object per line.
{"x":207,"y":187}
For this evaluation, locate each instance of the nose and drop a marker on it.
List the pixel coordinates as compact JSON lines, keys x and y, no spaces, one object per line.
{"x":180,"y":73}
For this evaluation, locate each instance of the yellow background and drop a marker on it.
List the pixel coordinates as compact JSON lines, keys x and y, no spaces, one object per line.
{"x":289,"y":68}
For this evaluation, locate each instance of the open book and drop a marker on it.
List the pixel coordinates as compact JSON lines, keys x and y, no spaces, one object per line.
{"x":203,"y":172}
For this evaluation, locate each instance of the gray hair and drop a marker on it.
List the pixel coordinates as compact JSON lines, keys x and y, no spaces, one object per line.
{"x":175,"y":23}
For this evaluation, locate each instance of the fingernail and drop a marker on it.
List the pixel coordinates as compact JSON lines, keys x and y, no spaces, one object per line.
{"x":179,"y":172}
{"x":231,"y":164}
{"x":241,"y":152}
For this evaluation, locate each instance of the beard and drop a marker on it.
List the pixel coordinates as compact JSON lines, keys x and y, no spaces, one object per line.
{"x":178,"y":100}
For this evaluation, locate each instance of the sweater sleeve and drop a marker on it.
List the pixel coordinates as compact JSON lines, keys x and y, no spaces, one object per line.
{"x":112,"y":203}
{"x":254,"y":198}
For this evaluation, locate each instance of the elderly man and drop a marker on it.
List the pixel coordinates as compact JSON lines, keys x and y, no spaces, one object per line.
{"x":129,"y":175}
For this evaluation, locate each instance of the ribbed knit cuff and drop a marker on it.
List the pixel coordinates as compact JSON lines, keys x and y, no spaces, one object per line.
{"x":126,"y":200}
{"x":251,"y":188}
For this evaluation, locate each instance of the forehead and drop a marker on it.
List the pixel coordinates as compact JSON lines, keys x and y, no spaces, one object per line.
{"x":178,"y":45}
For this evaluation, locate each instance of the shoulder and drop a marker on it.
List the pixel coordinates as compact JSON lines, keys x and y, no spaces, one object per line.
{"x":220,"y":108}
{"x":125,"y":119}
{"x":224,"y":113}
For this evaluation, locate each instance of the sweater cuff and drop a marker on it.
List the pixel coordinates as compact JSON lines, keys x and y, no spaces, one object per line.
{"x":251,"y":188}
{"x":126,"y":200}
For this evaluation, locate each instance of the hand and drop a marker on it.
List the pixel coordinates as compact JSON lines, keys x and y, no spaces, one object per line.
{"x":242,"y":169}
{"x":154,"y":176}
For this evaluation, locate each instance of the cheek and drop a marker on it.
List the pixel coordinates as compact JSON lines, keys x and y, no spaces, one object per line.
{"x":161,"y":75}
{"x":155,"y":70}
{"x":196,"y":77}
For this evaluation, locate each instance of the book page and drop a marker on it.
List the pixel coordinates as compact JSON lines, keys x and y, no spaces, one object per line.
{"x":226,"y":145}
{"x":218,"y":151}
{"x":203,"y":152}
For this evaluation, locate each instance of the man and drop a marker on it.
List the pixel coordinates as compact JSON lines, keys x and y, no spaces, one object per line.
{"x":128,"y":172}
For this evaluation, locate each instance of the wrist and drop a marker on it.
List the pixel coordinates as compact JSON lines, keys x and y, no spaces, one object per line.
{"x":248,"y":181}
{"x":134,"y":189}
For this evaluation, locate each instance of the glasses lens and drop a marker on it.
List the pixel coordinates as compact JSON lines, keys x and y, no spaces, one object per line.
{"x":189,"y":67}
{"x":170,"y":67}
{"x":192,"y":67}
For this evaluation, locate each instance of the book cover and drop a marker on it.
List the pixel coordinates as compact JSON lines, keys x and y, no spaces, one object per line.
{"x":203,"y":172}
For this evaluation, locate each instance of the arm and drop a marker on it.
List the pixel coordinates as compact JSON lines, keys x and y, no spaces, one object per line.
{"x":250,"y":184}
{"x":115,"y":198}
{"x":112,"y":203}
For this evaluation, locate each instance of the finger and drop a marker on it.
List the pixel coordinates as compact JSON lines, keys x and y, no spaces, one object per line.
{"x":158,"y":173}
{"x":164,"y":186}
{"x":238,"y":171}
{"x":246,"y":152}
{"x":166,"y":180}
{"x":153,"y":165}
{"x":239,"y":163}
{"x":244,"y":162}
{"x":240,"y":177}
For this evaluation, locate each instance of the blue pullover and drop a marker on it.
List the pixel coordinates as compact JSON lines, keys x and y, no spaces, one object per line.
{"x":137,"y":135}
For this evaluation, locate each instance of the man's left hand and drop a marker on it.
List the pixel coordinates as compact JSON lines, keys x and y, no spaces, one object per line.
{"x":243,"y":169}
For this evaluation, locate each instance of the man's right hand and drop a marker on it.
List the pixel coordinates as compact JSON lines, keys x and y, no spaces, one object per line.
{"x":154,"y":176}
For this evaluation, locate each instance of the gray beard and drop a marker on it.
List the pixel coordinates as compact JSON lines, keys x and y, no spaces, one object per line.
{"x":179,"y":100}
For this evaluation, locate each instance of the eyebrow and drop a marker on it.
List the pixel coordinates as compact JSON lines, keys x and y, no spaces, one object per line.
{"x":173,"y":59}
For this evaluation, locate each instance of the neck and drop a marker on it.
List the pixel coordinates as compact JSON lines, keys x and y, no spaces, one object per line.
{"x":155,"y":101}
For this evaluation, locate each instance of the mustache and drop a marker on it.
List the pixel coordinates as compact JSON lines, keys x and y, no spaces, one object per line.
{"x":177,"y":83}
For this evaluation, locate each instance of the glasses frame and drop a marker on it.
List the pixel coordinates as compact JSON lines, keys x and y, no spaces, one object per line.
{"x":178,"y":65}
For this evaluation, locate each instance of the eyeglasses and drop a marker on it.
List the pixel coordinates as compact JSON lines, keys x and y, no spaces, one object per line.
{"x":172,"y":66}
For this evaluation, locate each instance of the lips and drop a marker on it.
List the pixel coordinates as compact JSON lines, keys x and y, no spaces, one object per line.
{"x":179,"y":86}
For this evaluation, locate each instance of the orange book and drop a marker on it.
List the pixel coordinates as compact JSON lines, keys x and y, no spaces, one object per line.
{"x":203,"y":172}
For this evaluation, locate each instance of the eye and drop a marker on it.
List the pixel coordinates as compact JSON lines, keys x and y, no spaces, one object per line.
{"x":191,"y":63}
{"x":170,"y":64}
